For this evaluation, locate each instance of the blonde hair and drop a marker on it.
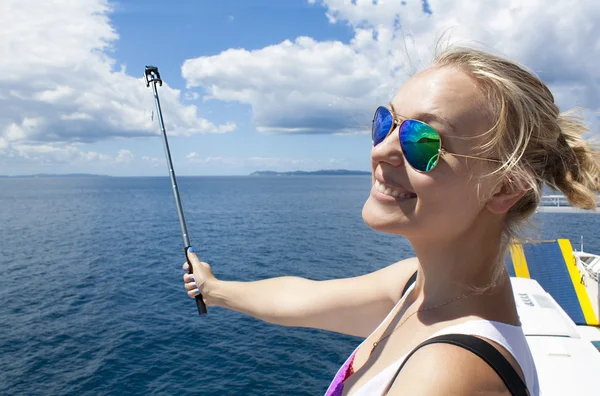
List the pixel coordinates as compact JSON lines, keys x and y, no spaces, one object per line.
{"x":536,"y":143}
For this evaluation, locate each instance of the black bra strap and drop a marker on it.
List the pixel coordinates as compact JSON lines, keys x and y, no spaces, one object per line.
{"x":410,"y":281}
{"x":485,"y":351}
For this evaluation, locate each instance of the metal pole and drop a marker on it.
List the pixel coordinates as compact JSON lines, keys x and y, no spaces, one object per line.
{"x":153,"y":77}
{"x":182,"y":224}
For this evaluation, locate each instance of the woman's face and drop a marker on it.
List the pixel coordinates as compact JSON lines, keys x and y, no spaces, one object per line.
{"x":445,"y":201}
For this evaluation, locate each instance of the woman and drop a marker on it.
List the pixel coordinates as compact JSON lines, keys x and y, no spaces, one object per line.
{"x":459,"y":159}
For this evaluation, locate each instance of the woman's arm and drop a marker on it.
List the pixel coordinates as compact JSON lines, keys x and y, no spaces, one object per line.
{"x":353,"y":306}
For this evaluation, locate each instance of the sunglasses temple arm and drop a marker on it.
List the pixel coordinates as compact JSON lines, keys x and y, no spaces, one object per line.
{"x":442,"y":151}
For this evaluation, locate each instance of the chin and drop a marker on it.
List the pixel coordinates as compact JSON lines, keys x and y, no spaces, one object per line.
{"x":382,"y":220}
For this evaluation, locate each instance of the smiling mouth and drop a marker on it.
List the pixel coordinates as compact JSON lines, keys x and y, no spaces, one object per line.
{"x":393,"y":193}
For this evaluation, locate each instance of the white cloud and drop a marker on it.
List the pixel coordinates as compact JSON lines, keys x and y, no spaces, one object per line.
{"x":76,"y":116}
{"x":194,"y":158}
{"x":54,"y":154}
{"x":305,"y":86}
{"x":92,"y":156}
{"x":124,"y":156}
{"x":69,"y":154}
{"x":293,"y":87}
{"x":154,"y":161}
{"x":60,"y":84}
{"x":191,"y":95}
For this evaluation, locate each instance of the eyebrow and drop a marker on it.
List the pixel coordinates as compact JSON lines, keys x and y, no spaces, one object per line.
{"x":425,"y":117}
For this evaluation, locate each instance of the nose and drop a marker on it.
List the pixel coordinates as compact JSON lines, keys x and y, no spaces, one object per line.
{"x":389,"y":150}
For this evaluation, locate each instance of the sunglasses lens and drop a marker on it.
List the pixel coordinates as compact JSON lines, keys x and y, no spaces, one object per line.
{"x":382,"y":124}
{"x":420,"y":144}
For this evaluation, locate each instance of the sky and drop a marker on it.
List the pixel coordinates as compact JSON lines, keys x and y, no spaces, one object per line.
{"x":251,"y":85}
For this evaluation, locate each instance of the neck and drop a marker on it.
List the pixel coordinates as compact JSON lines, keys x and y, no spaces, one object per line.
{"x":454,"y":266}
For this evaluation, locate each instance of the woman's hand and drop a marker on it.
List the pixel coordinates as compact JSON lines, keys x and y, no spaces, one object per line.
{"x":201,"y":281}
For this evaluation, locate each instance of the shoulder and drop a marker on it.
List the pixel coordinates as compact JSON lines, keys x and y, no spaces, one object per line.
{"x":393,"y":278}
{"x":443,"y":369}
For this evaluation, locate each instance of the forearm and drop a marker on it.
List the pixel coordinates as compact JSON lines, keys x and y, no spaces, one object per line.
{"x":353,"y":306}
{"x":280,"y":300}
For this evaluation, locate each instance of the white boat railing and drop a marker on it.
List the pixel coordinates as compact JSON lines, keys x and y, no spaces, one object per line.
{"x":554,"y":200}
{"x":559,"y":203}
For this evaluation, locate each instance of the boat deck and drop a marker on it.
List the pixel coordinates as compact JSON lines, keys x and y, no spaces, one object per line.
{"x":566,"y":359}
{"x":554,"y":266}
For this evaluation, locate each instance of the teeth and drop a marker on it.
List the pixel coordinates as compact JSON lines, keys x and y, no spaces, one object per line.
{"x":388,"y":191}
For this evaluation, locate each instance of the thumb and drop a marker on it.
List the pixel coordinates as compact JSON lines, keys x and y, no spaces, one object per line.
{"x":192,"y":257}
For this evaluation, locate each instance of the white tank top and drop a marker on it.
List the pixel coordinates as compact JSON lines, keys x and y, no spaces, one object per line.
{"x":510,"y":337}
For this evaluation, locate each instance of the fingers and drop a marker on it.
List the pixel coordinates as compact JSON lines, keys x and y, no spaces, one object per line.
{"x":190,"y":282}
{"x":195,"y":277}
{"x":190,"y":285}
{"x":193,"y":293}
{"x":189,"y":279}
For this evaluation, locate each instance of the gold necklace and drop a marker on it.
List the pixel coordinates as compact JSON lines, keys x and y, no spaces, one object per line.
{"x":409,"y":316}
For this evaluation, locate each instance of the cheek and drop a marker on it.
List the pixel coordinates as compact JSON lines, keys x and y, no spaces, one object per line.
{"x":446,"y":199}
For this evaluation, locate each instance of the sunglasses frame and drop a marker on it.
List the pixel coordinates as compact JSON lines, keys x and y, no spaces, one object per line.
{"x":397,"y":123}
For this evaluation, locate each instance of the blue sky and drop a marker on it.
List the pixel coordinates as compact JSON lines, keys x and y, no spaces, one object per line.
{"x":191,"y":29}
{"x":250,"y":85}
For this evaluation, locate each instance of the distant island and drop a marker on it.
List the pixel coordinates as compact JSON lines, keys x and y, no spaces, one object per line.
{"x":336,"y":172}
{"x":50,"y":175}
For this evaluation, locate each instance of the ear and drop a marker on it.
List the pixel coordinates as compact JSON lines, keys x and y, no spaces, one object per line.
{"x":506,"y":195}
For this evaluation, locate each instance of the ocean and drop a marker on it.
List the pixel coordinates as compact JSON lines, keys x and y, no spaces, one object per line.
{"x":92,"y":299}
